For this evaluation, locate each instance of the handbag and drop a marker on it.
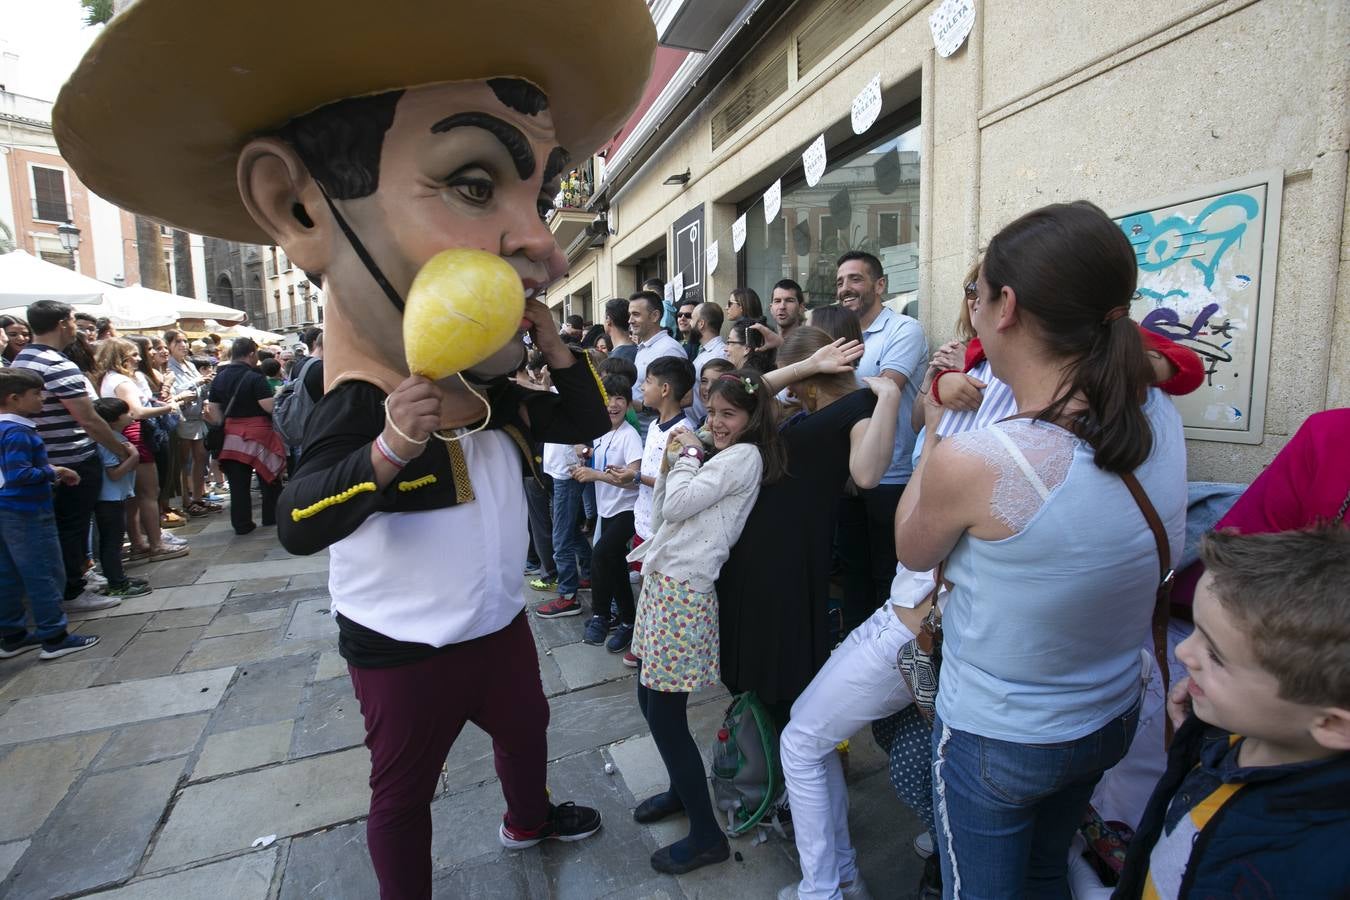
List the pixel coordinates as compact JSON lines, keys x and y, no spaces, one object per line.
{"x":920,"y":659}
{"x":215,"y":434}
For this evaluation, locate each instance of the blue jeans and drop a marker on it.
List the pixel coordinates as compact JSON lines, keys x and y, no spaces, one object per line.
{"x":571,"y":550}
{"x":30,"y":562}
{"x":1006,"y":812}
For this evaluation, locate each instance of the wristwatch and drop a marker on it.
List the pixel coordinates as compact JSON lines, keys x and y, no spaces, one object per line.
{"x":693,"y":453}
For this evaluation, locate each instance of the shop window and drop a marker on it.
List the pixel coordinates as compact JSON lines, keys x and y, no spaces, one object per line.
{"x":868,"y":200}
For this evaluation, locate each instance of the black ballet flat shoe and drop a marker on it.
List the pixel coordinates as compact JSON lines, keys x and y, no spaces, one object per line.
{"x":654,"y":809}
{"x":663,"y":862}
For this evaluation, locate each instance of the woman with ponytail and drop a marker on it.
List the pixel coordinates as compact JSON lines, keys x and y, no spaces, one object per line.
{"x":1052,"y":566}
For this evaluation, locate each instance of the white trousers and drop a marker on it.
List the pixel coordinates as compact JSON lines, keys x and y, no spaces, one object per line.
{"x":858,"y":685}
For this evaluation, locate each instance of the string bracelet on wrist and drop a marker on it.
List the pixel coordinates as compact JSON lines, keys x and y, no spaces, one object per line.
{"x":937,"y":395}
{"x":399,"y":431}
{"x":388,"y":453}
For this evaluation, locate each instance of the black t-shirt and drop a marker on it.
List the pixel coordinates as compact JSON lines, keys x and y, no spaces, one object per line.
{"x":251,"y":384}
{"x":313,"y":382}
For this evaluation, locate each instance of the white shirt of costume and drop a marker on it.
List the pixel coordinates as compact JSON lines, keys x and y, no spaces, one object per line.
{"x":441,"y":576}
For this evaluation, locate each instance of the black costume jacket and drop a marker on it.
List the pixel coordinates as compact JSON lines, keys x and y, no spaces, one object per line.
{"x":334,"y":489}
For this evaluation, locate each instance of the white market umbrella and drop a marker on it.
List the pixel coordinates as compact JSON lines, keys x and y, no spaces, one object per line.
{"x":257,"y":334}
{"x":25,"y":279}
{"x":180,"y":307}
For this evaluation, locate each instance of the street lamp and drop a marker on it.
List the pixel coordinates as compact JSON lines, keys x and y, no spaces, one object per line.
{"x":69,"y":235}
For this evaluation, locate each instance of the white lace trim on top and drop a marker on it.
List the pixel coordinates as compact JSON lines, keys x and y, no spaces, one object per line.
{"x":1029,"y":460}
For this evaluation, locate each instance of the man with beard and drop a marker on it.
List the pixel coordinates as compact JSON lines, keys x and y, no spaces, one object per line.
{"x":894,"y":347}
{"x":364,"y":151}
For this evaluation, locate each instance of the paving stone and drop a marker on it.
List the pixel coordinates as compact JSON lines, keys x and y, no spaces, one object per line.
{"x":312,"y":621}
{"x":550,"y":675}
{"x":182,"y":571}
{"x":470,"y":759}
{"x":331,"y":665}
{"x":310,"y":580}
{"x":244,"y":748}
{"x":232,"y":650}
{"x":162,"y":598}
{"x":151,"y":742}
{"x":38,"y":677}
{"x":247,"y":877}
{"x":35,"y":718}
{"x":34,"y":778}
{"x":266,"y":691}
{"x":260,"y":585}
{"x":333,"y":864}
{"x":228,"y":814}
{"x":583,"y":665}
{"x":330,"y":719}
{"x":492,"y":880}
{"x":79,"y":851}
{"x":660,"y":887}
{"x":245,"y":622}
{"x":131,"y":606}
{"x":113,"y":634}
{"x":9,"y":855}
{"x":190,"y":596}
{"x":551,"y":633}
{"x":283,"y":568}
{"x":183,"y":618}
{"x":241,"y":555}
{"x":883,"y":830}
{"x":464,"y":825}
{"x":151,"y":653}
{"x":594,"y":716}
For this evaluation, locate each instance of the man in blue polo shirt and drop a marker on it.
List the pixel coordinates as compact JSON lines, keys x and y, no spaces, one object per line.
{"x":894,"y":347}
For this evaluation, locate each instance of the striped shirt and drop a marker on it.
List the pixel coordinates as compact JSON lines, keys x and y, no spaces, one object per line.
{"x":998,"y":403}
{"x":67,"y":443}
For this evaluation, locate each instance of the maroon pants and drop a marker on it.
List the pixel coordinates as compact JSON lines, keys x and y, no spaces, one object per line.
{"x":413,"y":714}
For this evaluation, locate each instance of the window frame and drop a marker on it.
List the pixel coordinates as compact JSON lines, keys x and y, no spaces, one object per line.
{"x":68,"y":208}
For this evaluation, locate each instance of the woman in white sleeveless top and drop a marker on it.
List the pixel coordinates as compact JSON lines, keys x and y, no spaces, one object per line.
{"x":1053,"y":567}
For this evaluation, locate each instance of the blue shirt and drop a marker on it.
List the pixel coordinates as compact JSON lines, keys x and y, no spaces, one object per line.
{"x":896,"y":342}
{"x":25,"y":476}
{"x":115,"y":490}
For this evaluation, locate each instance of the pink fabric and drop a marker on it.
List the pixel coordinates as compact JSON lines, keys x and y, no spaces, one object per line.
{"x":252,"y":442}
{"x":1306,"y":482}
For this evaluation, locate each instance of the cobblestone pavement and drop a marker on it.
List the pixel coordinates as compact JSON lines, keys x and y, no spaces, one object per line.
{"x":210,"y":747}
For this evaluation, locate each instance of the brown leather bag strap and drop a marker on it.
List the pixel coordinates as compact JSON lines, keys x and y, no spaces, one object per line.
{"x":1161,"y":603}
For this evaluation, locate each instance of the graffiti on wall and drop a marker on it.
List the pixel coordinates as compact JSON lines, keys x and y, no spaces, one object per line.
{"x":1202,"y":283}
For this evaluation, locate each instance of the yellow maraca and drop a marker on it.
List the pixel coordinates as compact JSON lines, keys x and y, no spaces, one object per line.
{"x":462,"y":307}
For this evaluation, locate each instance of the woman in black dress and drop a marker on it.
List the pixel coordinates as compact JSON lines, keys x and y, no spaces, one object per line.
{"x":774,"y":586}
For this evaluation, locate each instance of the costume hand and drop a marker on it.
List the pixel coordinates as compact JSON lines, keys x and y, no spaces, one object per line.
{"x":884,"y":388}
{"x":68,"y":477}
{"x":772,"y":339}
{"x":951,"y":355}
{"x":544,"y":334}
{"x":414,"y":408}
{"x":1179,"y":702}
{"x":837,"y":357}
{"x":959,"y":391}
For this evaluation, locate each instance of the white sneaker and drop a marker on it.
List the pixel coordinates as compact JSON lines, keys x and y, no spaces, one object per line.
{"x":171,"y":540}
{"x":923,"y":844}
{"x":88,"y":602}
{"x":856,"y":890}
{"x":95,"y":582}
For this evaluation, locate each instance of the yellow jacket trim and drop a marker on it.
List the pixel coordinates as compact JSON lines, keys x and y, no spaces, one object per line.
{"x":315,"y":508}
{"x":604,"y":397}
{"x":416,"y":483}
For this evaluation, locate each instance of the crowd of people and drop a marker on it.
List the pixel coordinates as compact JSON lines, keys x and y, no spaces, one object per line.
{"x":1029,"y":480}
{"x":111,"y":442}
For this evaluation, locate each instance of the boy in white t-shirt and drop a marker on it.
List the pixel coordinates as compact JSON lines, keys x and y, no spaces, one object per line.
{"x":613,"y":464}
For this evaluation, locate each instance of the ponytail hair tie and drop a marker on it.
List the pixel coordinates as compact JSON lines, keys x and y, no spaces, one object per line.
{"x":1118,"y":312}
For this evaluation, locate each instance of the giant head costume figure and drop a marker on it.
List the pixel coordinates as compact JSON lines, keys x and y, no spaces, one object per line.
{"x":365,"y":139}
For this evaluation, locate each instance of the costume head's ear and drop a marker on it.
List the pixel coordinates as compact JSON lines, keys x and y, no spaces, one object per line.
{"x":286,"y":202}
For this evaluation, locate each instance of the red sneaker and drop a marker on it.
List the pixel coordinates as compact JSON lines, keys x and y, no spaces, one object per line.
{"x":556,"y":609}
{"x":630,"y":660}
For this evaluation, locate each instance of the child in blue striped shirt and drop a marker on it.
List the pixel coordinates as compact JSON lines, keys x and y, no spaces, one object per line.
{"x":30,"y":554}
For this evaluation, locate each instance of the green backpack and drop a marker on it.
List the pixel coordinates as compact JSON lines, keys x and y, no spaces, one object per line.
{"x":747,"y":779}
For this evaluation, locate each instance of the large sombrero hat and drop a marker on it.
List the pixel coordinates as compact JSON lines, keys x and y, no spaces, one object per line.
{"x":155,"y":115}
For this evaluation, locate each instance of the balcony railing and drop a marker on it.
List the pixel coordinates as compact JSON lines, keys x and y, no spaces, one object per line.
{"x":290,"y":317}
{"x":17,"y":106}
